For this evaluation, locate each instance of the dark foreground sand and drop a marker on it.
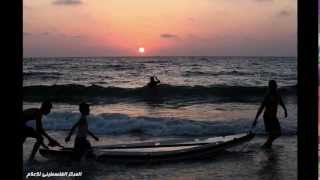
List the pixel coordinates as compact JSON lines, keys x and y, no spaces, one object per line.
{"x":240,"y":163}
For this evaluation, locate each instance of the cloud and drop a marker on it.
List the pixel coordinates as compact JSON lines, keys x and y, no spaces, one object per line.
{"x":27,"y":34}
{"x":76,"y":36}
{"x":45,"y":33}
{"x":263,"y":0}
{"x":169,"y":36}
{"x":67,"y":2}
{"x":55,"y":34}
{"x":284,"y":13}
{"x":191,"y":19}
{"x":25,"y":7}
{"x":245,"y":0}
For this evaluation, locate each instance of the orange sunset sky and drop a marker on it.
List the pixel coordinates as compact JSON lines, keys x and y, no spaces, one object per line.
{"x":163,"y":27}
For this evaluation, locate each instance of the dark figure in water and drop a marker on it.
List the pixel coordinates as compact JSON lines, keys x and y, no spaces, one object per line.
{"x":82,"y":146}
{"x":270,"y":107}
{"x":36,"y":114}
{"x":154,"y":81}
{"x":152,"y":94}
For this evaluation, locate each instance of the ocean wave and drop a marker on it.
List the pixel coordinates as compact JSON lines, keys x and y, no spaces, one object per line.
{"x":118,"y":67}
{"x":121,"y":124}
{"x":40,"y":73}
{"x":217,"y":93}
{"x":201,"y":73}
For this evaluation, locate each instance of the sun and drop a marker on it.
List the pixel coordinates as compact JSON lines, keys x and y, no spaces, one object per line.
{"x":141,"y":50}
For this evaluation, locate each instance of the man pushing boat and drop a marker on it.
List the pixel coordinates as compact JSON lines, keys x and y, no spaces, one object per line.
{"x":270,"y":108}
{"x":37,"y":133}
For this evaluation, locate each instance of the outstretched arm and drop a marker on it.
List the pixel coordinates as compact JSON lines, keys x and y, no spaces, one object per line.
{"x":284,"y":107}
{"x":40,"y":129}
{"x":258,"y":113}
{"x":158,"y":81}
{"x":92,"y":135}
{"x":71,"y":131}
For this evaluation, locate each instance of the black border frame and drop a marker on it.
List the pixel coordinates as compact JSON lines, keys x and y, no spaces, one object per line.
{"x":11,"y":89}
{"x":18,"y":82}
{"x":307,"y":89}
{"x":307,"y":86}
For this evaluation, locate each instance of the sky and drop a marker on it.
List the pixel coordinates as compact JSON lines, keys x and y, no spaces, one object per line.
{"x":65,"y":28}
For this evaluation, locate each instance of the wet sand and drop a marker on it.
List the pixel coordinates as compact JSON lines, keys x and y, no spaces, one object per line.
{"x":244,"y":162}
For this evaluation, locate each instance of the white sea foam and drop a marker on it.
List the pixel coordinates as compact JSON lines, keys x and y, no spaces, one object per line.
{"x":123,"y":124}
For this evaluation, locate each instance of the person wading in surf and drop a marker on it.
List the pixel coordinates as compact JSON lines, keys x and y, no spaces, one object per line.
{"x":37,"y":114}
{"x":152,"y":94}
{"x":154,"y":81}
{"x":270,"y":107}
{"x":82,"y":146}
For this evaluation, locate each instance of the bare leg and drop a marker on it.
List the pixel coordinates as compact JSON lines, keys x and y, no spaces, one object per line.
{"x":90,"y":154}
{"x":36,"y":147}
{"x":43,"y":145}
{"x":34,"y":150}
{"x":270,"y":140}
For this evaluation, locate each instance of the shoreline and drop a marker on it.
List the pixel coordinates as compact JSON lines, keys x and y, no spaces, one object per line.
{"x":247,"y":162}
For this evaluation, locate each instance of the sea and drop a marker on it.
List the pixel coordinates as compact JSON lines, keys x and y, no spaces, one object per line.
{"x":198,"y":96}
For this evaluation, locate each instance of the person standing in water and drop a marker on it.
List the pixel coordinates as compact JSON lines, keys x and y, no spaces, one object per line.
{"x":154,"y":81}
{"x":270,"y":107}
{"x":82,"y":146}
{"x":36,"y":114}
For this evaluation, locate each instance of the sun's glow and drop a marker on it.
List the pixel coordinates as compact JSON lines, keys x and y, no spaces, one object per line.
{"x":141,"y":50}
{"x":121,"y":28}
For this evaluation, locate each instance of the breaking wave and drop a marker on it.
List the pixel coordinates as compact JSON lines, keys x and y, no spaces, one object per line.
{"x":217,"y":93}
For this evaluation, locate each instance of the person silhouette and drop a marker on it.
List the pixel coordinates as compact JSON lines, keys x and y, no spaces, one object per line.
{"x":154,"y":81}
{"x":270,"y":107}
{"x":37,"y":133}
{"x":82,"y":146}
